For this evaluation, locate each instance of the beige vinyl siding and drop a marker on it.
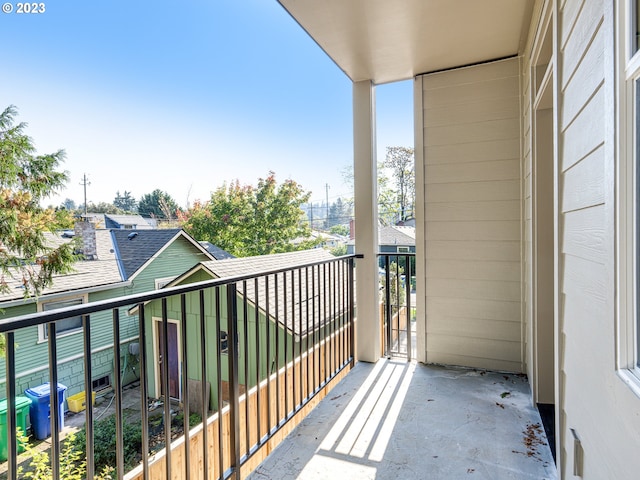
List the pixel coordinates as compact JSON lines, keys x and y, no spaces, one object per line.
{"x":472,"y":215}
{"x":593,"y":401}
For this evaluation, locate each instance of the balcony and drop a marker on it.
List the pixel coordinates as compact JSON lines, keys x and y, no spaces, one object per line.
{"x":398,"y":419}
{"x":261,"y":352}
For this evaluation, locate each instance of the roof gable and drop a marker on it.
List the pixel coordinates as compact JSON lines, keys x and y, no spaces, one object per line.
{"x":135,"y":249}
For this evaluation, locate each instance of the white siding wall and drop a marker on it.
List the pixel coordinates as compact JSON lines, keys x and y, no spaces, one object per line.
{"x":593,"y":400}
{"x":472,"y":213}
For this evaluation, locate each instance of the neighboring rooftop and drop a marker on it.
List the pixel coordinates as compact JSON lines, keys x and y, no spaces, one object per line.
{"x":134,"y":248}
{"x":404,"y":236}
{"x":215,"y":251}
{"x":310,"y":281}
{"x":102,"y":271}
{"x":135,"y":222}
{"x":119,"y":255}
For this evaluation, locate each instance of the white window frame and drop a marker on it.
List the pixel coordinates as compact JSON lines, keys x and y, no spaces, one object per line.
{"x":628,"y":195}
{"x":163,"y":282}
{"x":44,"y":306}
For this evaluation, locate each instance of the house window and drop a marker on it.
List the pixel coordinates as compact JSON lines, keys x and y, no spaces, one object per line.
{"x":224,"y":342}
{"x":628,"y":192}
{"x":403,"y":249}
{"x":65,"y":326}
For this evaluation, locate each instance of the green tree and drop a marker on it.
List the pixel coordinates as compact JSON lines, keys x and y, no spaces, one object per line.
{"x":400,"y":161}
{"x":339,"y":230}
{"x":247,"y":220}
{"x":101,"y":207}
{"x":125,"y":201}
{"x":69,"y":204}
{"x":339,"y":213}
{"x":26,"y":179}
{"x":157,"y":204}
{"x":388,"y":206}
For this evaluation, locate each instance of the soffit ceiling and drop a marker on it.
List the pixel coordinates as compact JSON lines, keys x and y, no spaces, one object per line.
{"x":389,"y":40}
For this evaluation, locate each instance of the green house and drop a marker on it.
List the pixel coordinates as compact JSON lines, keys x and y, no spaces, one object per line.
{"x":261,"y":309}
{"x":115,"y":262}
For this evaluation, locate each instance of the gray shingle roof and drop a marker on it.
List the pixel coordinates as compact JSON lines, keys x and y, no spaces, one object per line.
{"x":395,"y":235}
{"x":119,"y":221}
{"x":320,"y":301}
{"x":135,"y":247}
{"x":217,"y":252}
{"x":101,"y":272}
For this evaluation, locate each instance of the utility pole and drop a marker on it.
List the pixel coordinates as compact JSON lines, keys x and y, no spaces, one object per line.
{"x":326,"y":186}
{"x":84,"y":183}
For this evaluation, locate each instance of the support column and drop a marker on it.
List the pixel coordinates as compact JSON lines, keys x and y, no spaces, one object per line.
{"x":366,"y":222}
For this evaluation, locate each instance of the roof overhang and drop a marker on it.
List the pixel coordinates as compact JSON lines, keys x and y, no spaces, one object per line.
{"x":386,"y":41}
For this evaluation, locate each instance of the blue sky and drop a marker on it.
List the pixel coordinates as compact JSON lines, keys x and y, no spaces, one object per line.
{"x":184,"y":96}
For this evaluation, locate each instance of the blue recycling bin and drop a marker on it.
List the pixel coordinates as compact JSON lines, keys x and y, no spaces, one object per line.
{"x":40,"y":412}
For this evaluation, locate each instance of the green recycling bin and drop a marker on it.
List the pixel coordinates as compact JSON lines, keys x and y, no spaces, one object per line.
{"x":22,"y":410}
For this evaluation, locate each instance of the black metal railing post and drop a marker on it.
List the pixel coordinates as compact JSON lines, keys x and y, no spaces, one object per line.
{"x":234,"y":390}
{"x":164,"y":372}
{"x":88,"y":393}
{"x":352,"y":313}
{"x":186,"y":424}
{"x":10,"y":367}
{"x":54,"y":406}
{"x":144,"y":391}
{"x":117,"y":393}
{"x":204,"y":390}
{"x":407,"y":281}
{"x":388,"y":312}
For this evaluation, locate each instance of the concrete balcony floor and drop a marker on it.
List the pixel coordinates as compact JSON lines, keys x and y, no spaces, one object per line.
{"x":399,"y":420}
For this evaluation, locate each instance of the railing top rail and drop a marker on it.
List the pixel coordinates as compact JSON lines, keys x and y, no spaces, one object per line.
{"x":38,"y":318}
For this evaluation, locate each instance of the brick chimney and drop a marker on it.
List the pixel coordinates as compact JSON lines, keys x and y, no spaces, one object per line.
{"x":86,"y":232}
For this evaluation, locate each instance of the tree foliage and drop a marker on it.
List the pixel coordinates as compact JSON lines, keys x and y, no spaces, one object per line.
{"x":102,"y":207}
{"x":25,"y":180}
{"x":246,"y":220}
{"x":400,"y":161}
{"x":339,"y":213}
{"x":125,"y":201}
{"x":157,"y":204}
{"x":396,"y":185}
